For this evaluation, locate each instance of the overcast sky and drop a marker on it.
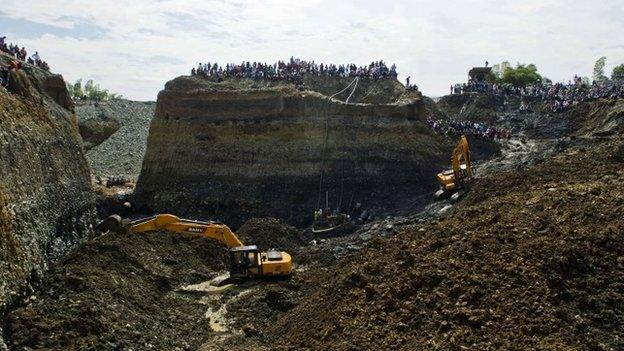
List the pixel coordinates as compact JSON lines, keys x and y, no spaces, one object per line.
{"x":134,"y":47}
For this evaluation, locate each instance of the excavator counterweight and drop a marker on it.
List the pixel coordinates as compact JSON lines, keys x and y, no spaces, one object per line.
{"x":245,"y":261}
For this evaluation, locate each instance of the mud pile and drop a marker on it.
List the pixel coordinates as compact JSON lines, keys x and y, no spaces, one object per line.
{"x":125,"y":292}
{"x":46,"y":204}
{"x":269,"y":233}
{"x":118,"y":292}
{"x":531,"y":259}
{"x":238,"y":149}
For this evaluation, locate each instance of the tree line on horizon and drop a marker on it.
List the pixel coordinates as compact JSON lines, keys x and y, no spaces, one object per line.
{"x":90,"y":91}
{"x":527,"y":74}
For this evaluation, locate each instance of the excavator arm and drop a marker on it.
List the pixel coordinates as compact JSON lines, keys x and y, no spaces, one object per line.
{"x":168,"y":222}
{"x":245,"y":261}
{"x":461,"y":153}
{"x":452,"y":181}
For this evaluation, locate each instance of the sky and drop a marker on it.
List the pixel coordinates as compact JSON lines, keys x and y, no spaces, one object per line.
{"x":134,"y":47}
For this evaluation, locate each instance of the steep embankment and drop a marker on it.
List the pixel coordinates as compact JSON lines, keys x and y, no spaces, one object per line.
{"x":531,"y":259}
{"x":232,"y":151}
{"x":115,"y":134}
{"x":597,"y":118}
{"x":46,"y":204}
{"x":474,"y":106}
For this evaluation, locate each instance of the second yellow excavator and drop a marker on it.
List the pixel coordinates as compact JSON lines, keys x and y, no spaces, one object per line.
{"x":245,"y":261}
{"x":454,"y":182}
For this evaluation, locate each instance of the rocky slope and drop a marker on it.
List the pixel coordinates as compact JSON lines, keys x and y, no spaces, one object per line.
{"x":115,"y":134}
{"x":598,"y":118}
{"x":233,"y":150}
{"x":46,"y":204}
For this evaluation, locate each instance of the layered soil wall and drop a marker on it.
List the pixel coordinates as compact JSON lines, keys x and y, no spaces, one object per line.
{"x":234,"y":154}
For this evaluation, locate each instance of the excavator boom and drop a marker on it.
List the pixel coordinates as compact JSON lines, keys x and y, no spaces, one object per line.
{"x":461,"y":153}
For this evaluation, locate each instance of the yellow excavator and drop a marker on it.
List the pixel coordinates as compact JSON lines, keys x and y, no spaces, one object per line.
{"x":454,"y":182}
{"x":245,"y":261}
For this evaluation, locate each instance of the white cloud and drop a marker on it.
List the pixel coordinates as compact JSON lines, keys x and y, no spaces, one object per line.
{"x":149,"y":42}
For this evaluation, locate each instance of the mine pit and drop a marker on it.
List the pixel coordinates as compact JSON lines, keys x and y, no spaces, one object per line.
{"x":261,"y":214}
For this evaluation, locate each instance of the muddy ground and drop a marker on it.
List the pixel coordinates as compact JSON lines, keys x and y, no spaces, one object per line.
{"x":126,"y":292}
{"x":531,"y":258}
{"x":119,"y":293}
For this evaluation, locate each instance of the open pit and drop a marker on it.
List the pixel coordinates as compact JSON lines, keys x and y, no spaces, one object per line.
{"x":531,"y":258}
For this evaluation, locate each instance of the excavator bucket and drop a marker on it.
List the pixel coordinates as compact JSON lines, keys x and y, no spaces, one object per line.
{"x":113,"y":224}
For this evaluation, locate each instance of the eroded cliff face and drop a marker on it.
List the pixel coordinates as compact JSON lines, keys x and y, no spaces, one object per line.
{"x":46,"y":204}
{"x":232,"y":154}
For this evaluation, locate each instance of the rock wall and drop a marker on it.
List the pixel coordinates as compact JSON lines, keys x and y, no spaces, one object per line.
{"x":46,"y":204}
{"x":233,"y":154}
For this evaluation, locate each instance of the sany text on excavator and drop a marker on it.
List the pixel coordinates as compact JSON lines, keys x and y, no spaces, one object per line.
{"x":245,"y":261}
{"x":454,"y":182}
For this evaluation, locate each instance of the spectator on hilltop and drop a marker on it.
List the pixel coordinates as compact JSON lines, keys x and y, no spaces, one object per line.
{"x":292,"y":70}
{"x":15,"y":65}
{"x":456,"y":127}
{"x":22,"y":54}
{"x":558,"y":97}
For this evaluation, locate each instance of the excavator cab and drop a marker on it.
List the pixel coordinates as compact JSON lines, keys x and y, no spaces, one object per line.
{"x":244,"y":262}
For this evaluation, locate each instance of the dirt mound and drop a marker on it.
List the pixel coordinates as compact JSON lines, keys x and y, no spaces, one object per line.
{"x":269,"y":233}
{"x":529,"y":260}
{"x":118,"y":293}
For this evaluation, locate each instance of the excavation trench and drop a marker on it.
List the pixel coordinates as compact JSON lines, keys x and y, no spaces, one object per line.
{"x":157,"y":291}
{"x":122,"y":292}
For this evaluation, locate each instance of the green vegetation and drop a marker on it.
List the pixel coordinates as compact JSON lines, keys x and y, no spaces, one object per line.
{"x":521,"y":75}
{"x":90,"y":91}
{"x":618,"y":72}
{"x":599,"y":66}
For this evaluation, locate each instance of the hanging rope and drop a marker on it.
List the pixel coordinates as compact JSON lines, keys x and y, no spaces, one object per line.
{"x":357,"y":79}
{"x":327,"y":106}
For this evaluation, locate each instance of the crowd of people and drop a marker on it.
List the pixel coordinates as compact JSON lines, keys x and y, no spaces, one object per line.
{"x":292,"y":70}
{"x":558,"y":96}
{"x":22,"y":55}
{"x":456,"y":127}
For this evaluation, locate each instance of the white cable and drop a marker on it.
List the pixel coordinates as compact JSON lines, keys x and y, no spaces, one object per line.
{"x":343,"y":90}
{"x":357,"y":79}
